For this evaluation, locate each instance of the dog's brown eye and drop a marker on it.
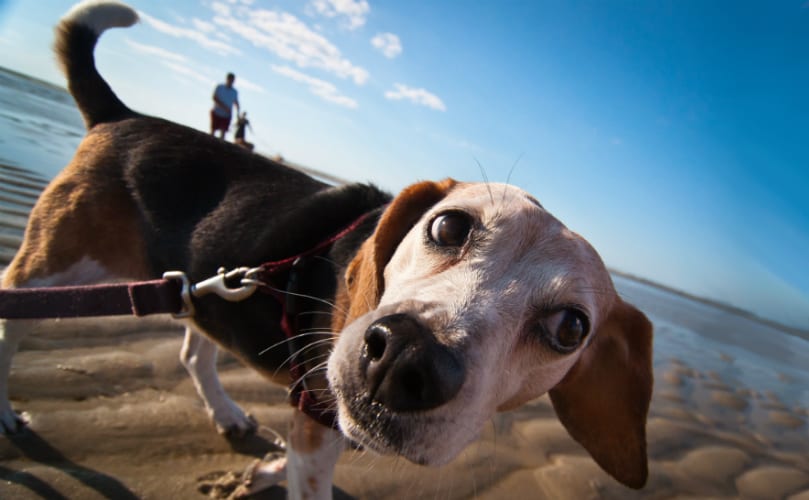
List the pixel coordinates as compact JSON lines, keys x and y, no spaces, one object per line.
{"x":450,"y":229}
{"x":566,"y":329}
{"x":572,"y":329}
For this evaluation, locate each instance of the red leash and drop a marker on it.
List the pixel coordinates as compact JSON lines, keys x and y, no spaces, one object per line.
{"x":170,"y":295}
{"x":137,"y":299}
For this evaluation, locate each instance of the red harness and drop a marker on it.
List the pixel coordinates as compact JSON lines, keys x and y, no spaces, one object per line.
{"x":171,"y":295}
{"x":300,"y":397}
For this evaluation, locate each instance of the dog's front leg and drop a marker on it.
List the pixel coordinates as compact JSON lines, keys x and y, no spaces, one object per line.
{"x":312,"y":454}
{"x":308,"y":467}
{"x":198,"y":355}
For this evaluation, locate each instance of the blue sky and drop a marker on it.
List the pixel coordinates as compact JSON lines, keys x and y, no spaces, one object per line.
{"x":674,"y":135}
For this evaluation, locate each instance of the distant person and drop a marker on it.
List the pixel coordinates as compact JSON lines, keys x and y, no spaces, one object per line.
{"x":225,"y":97}
{"x":241,"y":124}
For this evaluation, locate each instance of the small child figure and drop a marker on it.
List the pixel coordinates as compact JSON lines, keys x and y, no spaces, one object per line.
{"x":241,"y":123}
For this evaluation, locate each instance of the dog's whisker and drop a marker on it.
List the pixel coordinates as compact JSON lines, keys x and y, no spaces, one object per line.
{"x":513,"y":167}
{"x":327,"y":260}
{"x":318,"y":368}
{"x":507,"y":183}
{"x":337,"y":443}
{"x":312,"y":333}
{"x":315,"y":313}
{"x":316,"y":359}
{"x":485,"y":180}
{"x":330,"y":402}
{"x":325,"y":333}
{"x":291,"y":358}
{"x":303,"y":296}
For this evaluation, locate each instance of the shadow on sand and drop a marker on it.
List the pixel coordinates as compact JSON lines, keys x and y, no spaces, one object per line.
{"x":36,"y":449}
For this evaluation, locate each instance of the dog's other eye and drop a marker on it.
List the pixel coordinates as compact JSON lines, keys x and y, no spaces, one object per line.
{"x":450,"y":229}
{"x":567,"y":329}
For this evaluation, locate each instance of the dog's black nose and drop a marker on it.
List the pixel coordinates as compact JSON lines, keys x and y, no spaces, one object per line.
{"x":406,"y":368}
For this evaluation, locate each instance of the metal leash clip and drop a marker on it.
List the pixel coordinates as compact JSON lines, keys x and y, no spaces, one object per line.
{"x":215,"y":284}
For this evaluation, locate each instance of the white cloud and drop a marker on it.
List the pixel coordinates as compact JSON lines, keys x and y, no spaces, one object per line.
{"x":277,"y":32}
{"x":223,"y":36}
{"x":321,"y":88}
{"x":199,"y":37}
{"x":183,"y":70}
{"x":417,"y":96}
{"x":177,"y":63}
{"x":244,"y":83}
{"x":353,"y":12}
{"x":203,"y":26}
{"x":152,"y":50}
{"x":221,"y":9}
{"x":183,"y":66}
{"x":289,"y":38}
{"x":387,"y":43}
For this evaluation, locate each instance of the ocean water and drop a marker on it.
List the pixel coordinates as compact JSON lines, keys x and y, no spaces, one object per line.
{"x":745,"y":352}
{"x":40,"y":128}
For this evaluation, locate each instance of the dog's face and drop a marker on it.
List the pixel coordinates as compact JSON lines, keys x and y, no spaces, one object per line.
{"x":470,"y":300}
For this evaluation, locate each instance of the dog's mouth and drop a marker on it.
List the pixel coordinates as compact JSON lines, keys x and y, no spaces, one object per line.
{"x":377,"y":427}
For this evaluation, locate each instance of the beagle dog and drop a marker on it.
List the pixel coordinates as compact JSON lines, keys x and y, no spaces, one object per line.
{"x":442,"y":306}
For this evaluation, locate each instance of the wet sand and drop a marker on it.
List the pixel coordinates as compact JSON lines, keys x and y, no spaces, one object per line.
{"x":114,"y":415}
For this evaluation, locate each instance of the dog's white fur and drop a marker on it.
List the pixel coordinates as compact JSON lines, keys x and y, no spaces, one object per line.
{"x":100,"y":15}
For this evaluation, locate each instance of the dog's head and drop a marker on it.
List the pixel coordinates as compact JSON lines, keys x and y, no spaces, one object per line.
{"x":471,"y":299}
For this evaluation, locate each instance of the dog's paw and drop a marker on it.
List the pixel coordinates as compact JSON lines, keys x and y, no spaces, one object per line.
{"x":230,"y":420}
{"x":233,"y":422}
{"x":262,"y":474}
{"x":11,"y":421}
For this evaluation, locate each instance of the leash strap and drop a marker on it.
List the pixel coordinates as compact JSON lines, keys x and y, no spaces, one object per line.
{"x":170,"y":295}
{"x":139,"y":299}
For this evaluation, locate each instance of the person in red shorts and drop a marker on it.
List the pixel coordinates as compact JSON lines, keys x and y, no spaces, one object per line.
{"x":225,"y":97}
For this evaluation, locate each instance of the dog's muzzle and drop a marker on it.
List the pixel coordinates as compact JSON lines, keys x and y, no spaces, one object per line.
{"x":406,"y":368}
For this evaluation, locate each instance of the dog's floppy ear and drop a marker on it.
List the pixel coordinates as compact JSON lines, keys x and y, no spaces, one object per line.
{"x":364,"y":280}
{"x":604,"y":399}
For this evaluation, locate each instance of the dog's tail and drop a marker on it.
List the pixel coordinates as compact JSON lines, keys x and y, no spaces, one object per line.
{"x":76,"y":37}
